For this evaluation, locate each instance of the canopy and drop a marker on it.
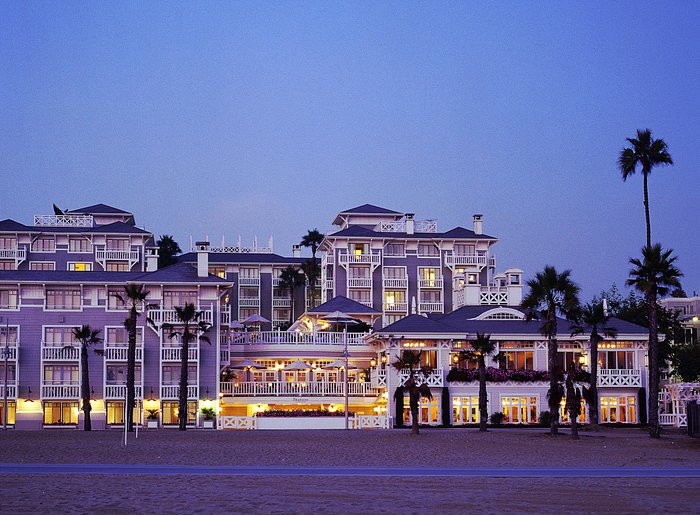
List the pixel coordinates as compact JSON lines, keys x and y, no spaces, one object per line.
{"x":248,"y":364}
{"x":255,"y":319}
{"x":339,"y":363}
{"x":297,"y":365}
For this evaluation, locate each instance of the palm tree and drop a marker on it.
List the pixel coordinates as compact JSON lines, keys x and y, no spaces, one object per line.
{"x":290,"y":279}
{"x":411,"y":361}
{"x":168,"y":248}
{"x":312,"y":239}
{"x":594,"y":318}
{"x":135,"y":296}
{"x":574,"y":394}
{"x":646,"y":152}
{"x":552,"y":293}
{"x":481,"y":347}
{"x":312,"y":271}
{"x":192,"y":327}
{"x":87,"y":336}
{"x":653,"y":275}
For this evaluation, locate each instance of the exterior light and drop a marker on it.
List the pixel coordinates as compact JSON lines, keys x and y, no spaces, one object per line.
{"x":384,"y":358}
{"x":455,"y":359}
{"x":206,"y":394}
{"x":695,"y":318}
{"x":582,"y":359}
{"x":151,"y":397}
{"x":373,"y":362}
{"x":29,"y":396}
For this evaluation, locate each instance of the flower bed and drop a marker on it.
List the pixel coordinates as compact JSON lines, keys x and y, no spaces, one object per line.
{"x":302,"y":413}
{"x":496,"y":375}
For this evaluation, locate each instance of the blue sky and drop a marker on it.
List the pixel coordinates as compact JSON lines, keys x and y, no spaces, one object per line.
{"x":211,"y":118}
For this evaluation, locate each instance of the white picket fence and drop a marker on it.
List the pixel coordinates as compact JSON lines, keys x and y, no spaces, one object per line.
{"x":356,"y":422}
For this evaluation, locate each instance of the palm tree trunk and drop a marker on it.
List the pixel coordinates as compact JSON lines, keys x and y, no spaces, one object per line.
{"x":414,"y":401}
{"x":573,"y":416}
{"x":654,"y":429}
{"x":646,"y":207}
{"x":553,"y":385}
{"x":483,"y":408}
{"x":85,"y":387}
{"x":182,"y":394}
{"x":131,"y":370}
{"x":593,"y":406}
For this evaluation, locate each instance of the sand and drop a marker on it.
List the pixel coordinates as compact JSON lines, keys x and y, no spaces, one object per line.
{"x":303,"y":494}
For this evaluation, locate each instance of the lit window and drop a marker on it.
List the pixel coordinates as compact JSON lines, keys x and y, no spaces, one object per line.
{"x":465,"y":410}
{"x":172,"y":408}
{"x":618,"y":409}
{"x":80,"y":267}
{"x":520,"y":409}
{"x":60,"y":413}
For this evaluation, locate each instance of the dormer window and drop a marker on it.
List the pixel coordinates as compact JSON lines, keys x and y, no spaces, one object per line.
{"x":472,"y":279}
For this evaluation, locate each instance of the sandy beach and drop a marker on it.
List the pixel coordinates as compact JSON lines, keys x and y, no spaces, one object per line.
{"x":441,"y":448}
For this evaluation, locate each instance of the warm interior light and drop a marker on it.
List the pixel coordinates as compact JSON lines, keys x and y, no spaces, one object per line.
{"x":384,"y":358}
{"x":373,"y":362}
{"x":455,"y":359}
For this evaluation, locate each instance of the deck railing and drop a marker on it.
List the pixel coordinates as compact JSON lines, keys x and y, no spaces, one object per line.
{"x":60,"y":391}
{"x":169,"y":316}
{"x":173,"y":392}
{"x":118,"y":391}
{"x":305,"y":389}
{"x":57,"y":352}
{"x":619,"y":377}
{"x":17,"y":253}
{"x":175,"y":353}
{"x":119,"y":351}
{"x":63,"y":220}
{"x":295,"y":338}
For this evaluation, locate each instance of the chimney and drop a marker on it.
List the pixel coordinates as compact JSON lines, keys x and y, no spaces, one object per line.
{"x":202,"y":248}
{"x":410,"y":223}
{"x":478,"y":224}
{"x":296,"y":251}
{"x":151,"y":259}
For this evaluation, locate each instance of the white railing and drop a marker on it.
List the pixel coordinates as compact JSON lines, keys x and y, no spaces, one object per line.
{"x":493,"y":295}
{"x":619,"y":377}
{"x":248,"y":281}
{"x":173,"y":392}
{"x":225,"y":354}
{"x":116,"y":255}
{"x":295,"y":338}
{"x":452,"y":259}
{"x":434,"y":378}
{"x":60,"y":391}
{"x":346,"y":258}
{"x":430,"y":307}
{"x":283,"y":388}
{"x":19,"y":254}
{"x":379,"y":378}
{"x":225,"y":316}
{"x":328,"y":259}
{"x":281,"y":303}
{"x":169,"y":316}
{"x":11,"y":391}
{"x":401,"y":307}
{"x":239,"y":249}
{"x":247,"y":302}
{"x":329,"y":284}
{"x":55,"y":353}
{"x":430,"y":283}
{"x":276,"y":281}
{"x":236,"y":422}
{"x":418,"y":226}
{"x":118,"y":391}
{"x":361,"y":282}
{"x":175,"y":353}
{"x":120,"y":351}
{"x":396,"y":283}
{"x":63,"y":220}
{"x":369,"y":422}
{"x":11,"y":352}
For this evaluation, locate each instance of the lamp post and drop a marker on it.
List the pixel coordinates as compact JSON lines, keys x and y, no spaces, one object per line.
{"x":346,"y":356}
{"x":6,"y":353}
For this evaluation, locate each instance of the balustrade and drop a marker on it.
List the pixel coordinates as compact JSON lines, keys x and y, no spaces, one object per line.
{"x":360,"y":282}
{"x":175,"y":353}
{"x":55,"y":353}
{"x":284,"y":388}
{"x":119,"y":352}
{"x":17,"y":253}
{"x":396,"y":283}
{"x":430,"y":307}
{"x":297,"y":338}
{"x":430,"y":283}
{"x":401,"y":307}
{"x":619,"y":377}
{"x":173,"y":392}
{"x":118,"y":391}
{"x":169,"y":316}
{"x":249,"y":281}
{"x":60,"y":391}
{"x":434,"y":378}
{"x":346,"y":258}
{"x":103,"y":255}
{"x":11,"y":390}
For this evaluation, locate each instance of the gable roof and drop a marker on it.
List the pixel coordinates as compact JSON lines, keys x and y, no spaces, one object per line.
{"x":10,"y":225}
{"x":365,"y":232}
{"x":370,"y":209}
{"x":244,"y":257}
{"x":100,"y":209}
{"x":180,"y":273}
{"x":344,"y":305}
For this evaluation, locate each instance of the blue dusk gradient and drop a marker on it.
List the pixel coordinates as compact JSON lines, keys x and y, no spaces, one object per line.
{"x":260,"y":118}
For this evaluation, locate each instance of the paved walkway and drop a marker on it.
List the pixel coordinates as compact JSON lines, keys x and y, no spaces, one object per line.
{"x":198,"y":470}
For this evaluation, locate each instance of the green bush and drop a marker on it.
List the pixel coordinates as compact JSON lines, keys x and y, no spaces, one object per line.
{"x":208,"y":413}
{"x":497,"y":418}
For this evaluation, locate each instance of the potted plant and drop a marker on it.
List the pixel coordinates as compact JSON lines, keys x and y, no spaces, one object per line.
{"x":208,"y":414}
{"x":152,"y":418}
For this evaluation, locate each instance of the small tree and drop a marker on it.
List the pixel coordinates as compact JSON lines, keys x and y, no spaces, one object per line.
{"x":168,"y":248}
{"x":87,"y":337}
{"x":190,"y":327}
{"x":481,"y":347}
{"x":415,"y":384}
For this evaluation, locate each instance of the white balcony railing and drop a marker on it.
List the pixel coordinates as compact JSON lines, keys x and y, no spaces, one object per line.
{"x":173,"y":392}
{"x":452,"y":259}
{"x":328,"y":284}
{"x":11,"y":353}
{"x":175,"y":353}
{"x":11,"y":390}
{"x":18,"y":254}
{"x":396,"y":283}
{"x":54,"y":352}
{"x":120,"y":351}
{"x":283,"y":388}
{"x":103,"y":255}
{"x":493,"y":295}
{"x":294,"y":338}
{"x":169,"y":316}
{"x":346,"y":258}
{"x":619,"y":377}
{"x":434,"y":378}
{"x":249,"y":281}
{"x":281,"y":303}
{"x":60,"y":391}
{"x":430,"y":307}
{"x":63,"y":220}
{"x":430,"y":283}
{"x":360,"y":282}
{"x":419,"y":226}
{"x":225,"y":316}
{"x":276,"y":281}
{"x":396,"y":307}
{"x":118,"y":391}
{"x":248,"y":302}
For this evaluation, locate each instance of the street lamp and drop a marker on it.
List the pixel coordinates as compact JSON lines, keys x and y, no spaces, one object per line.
{"x":373,"y":362}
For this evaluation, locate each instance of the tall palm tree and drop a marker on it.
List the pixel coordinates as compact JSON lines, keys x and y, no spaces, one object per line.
{"x":653,"y":275}
{"x":411,"y":361}
{"x":312,"y":239}
{"x":574,"y":395}
{"x":481,"y":347}
{"x":168,"y":248}
{"x":190,"y":327}
{"x":312,"y":272}
{"x":290,"y":279}
{"x":134,"y":296}
{"x":87,"y":336}
{"x":645,"y":152}
{"x":552,"y":293}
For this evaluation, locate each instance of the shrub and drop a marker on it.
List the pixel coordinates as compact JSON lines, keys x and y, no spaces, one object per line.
{"x":303,"y":413}
{"x":545,"y":419}
{"x":152,"y":414}
{"x":497,"y":418}
{"x":496,"y":375}
{"x":208,"y":413}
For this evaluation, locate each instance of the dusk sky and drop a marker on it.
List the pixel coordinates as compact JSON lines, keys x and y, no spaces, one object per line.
{"x":267,"y":118}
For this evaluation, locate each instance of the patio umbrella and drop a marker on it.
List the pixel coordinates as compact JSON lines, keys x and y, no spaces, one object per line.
{"x":236,"y":325}
{"x":297,"y":365}
{"x":342,"y":318}
{"x":338,"y":363}
{"x":256,"y":320}
{"x":339,"y":318}
{"x":247,"y":365}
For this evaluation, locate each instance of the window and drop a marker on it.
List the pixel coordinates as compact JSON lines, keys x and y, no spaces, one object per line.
{"x":11,"y":408}
{"x":472,"y":279}
{"x":568,"y":357}
{"x":80,"y":267}
{"x":462,"y":249}
{"x":8,"y":299}
{"x":44,"y":244}
{"x":394,"y":272}
{"x":171,"y":409}
{"x":428,"y":411}
{"x":121,"y":336}
{"x":429,"y":277}
{"x":465,"y":410}
{"x":218,"y":271}
{"x":249,"y":273}
{"x":618,"y":409}
{"x":520,"y":410}
{"x":63,"y":299}
{"x":7,"y":265}
{"x":10,"y":372}
{"x":244,"y":313}
{"x":116,"y":374}
{"x":248,"y":292}
{"x":79,"y":245}
{"x":361,"y":296}
{"x":428,"y":250}
{"x":8,"y":243}
{"x":61,"y":374}
{"x":59,"y":336}
{"x":395,"y":299}
{"x":118,"y":244}
{"x":10,"y":331}
{"x":516,"y":360}
{"x":115,"y":413}
{"x":431,"y":296}
{"x":171,"y":375}
{"x":359,"y":248}
{"x":395,"y":249}
{"x":42,"y":265}
{"x":390,"y":319}
{"x":515,"y":279}
{"x":60,"y":413}
{"x":117,"y":266}
{"x":359,"y":272}
{"x":564,"y":412}
{"x":113,"y":302}
{"x":178,"y":298}
{"x":616,"y":359}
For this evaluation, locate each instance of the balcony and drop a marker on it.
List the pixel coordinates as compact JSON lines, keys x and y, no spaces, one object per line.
{"x":225,"y":315}
{"x":430,"y":307}
{"x":57,"y":352}
{"x":11,"y":390}
{"x":11,"y":352}
{"x":430,"y":283}
{"x":476,"y":260}
{"x":16,"y":253}
{"x":284,"y":388}
{"x":173,"y":392}
{"x":281,"y":303}
{"x":434,"y":378}
{"x":493,"y":295}
{"x":395,"y":283}
{"x":249,"y":281}
{"x":169,"y":316}
{"x":360,"y":282}
{"x":248,"y":302}
{"x":295,"y":338}
{"x":118,"y":391}
{"x":395,"y":307}
{"x":60,"y":391}
{"x":102,"y":255}
{"x":328,"y":259}
{"x":624,"y":377}
{"x":346,"y":258}
{"x":119,"y":351}
{"x":63,"y":220}
{"x":175,"y":353}
{"x":276,"y":281}
{"x":328,"y":285}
